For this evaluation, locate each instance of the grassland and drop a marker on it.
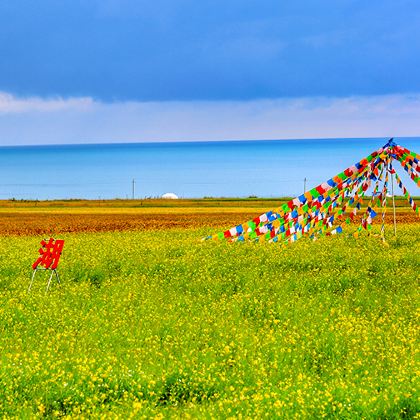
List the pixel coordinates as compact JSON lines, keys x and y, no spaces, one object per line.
{"x":153,"y":322}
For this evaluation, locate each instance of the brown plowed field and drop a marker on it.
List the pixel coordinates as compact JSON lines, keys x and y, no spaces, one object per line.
{"x":30,"y":223}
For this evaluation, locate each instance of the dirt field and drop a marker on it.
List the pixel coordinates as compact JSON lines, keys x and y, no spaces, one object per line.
{"x":44,"y":223}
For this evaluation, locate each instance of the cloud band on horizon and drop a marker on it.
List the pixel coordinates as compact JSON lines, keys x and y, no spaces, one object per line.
{"x":36,"y":120}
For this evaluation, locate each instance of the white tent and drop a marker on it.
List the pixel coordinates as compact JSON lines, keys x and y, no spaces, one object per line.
{"x":170,"y":196}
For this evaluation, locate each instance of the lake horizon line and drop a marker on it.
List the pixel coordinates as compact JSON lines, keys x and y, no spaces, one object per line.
{"x":204,"y":142}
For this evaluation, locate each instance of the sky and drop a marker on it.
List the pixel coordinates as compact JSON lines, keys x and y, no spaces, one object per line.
{"x":95,"y":71}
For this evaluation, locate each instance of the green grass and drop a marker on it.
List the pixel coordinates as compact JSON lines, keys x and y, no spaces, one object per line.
{"x":160,"y":323}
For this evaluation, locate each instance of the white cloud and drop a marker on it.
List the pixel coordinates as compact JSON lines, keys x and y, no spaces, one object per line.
{"x":12,"y":104}
{"x":83,"y":120}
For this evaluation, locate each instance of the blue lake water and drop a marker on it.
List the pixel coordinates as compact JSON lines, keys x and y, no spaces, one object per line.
{"x":194,"y":169}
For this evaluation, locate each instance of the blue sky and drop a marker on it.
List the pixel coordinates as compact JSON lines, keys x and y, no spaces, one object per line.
{"x":159,"y":63}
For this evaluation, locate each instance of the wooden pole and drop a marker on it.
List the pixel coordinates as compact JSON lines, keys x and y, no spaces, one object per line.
{"x":393,"y":201}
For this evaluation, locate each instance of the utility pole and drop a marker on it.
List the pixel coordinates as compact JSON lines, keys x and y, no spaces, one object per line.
{"x":304,"y":185}
{"x":133,"y":188}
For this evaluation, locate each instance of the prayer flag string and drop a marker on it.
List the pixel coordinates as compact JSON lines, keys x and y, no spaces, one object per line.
{"x":327,"y":208}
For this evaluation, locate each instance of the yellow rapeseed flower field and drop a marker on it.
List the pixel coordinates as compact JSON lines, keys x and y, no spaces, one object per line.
{"x":159,"y":324}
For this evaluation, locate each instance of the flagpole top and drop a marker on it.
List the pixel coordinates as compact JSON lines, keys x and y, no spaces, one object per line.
{"x":390,"y":143}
